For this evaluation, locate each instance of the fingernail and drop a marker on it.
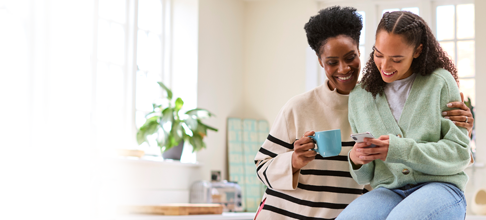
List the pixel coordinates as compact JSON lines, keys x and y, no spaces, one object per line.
{"x":455,"y":122}
{"x":444,"y":113}
{"x":449,"y":104}
{"x":359,"y":150}
{"x":446,"y":117}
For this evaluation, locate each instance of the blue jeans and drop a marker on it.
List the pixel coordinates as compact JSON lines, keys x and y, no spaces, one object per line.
{"x":432,"y":200}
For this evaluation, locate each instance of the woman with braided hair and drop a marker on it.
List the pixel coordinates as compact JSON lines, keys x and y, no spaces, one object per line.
{"x":416,"y":165}
{"x":301,"y":184}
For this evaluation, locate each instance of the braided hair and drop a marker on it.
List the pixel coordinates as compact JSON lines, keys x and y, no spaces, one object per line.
{"x":415,"y":32}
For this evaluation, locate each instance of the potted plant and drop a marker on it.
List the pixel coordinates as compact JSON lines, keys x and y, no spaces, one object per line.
{"x":171,"y":129}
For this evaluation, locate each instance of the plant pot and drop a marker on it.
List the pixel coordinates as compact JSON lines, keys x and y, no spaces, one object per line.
{"x":174,"y":153}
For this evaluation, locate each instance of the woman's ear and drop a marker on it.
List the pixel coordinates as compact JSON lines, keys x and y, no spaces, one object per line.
{"x":418,"y":51}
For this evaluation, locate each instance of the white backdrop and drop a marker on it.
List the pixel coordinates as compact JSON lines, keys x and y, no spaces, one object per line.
{"x":45,"y":84}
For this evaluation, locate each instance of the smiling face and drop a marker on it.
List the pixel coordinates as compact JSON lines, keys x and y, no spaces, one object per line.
{"x":340,"y":59}
{"x":393,"y":56}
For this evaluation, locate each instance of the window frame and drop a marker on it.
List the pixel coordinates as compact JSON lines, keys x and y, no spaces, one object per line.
{"x":455,"y":40}
{"x":130,"y":68}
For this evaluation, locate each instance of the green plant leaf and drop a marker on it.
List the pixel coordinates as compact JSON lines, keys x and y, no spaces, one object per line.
{"x":172,"y":142}
{"x":178,"y":104}
{"x":198,"y":143}
{"x":187,"y":130}
{"x":191,"y":123}
{"x":162,"y":138}
{"x":177,"y":131}
{"x":152,"y":126}
{"x":140,"y":136}
{"x":201,"y":130}
{"x":206,"y":126}
{"x":167,"y":117}
{"x":169,"y":92}
{"x":149,"y":127}
{"x":151,"y":114}
{"x":200,"y":113}
{"x":193,"y":143}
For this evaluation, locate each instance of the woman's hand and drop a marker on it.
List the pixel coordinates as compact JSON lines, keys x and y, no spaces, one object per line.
{"x":362,"y":154}
{"x":302,"y":152}
{"x":462,"y":116}
{"x":356,"y":154}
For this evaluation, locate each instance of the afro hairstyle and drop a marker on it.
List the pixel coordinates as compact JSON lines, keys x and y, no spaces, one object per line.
{"x":332,"y":22}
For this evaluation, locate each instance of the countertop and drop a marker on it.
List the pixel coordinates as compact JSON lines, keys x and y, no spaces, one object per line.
{"x":224,"y":216}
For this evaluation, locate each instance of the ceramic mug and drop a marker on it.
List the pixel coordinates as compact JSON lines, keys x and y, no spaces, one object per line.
{"x":328,"y":142}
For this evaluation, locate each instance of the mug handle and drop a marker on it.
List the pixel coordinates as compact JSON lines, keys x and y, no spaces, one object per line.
{"x":315,"y":142}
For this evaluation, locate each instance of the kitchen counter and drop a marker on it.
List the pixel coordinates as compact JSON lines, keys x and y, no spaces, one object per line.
{"x":224,"y":216}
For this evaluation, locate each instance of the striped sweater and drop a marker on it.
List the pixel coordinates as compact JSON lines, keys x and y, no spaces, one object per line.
{"x":324,"y":187}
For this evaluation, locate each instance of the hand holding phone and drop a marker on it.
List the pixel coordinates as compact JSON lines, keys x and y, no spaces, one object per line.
{"x":358,"y":138}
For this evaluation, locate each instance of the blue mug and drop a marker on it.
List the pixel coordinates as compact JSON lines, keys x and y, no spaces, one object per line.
{"x":328,"y":142}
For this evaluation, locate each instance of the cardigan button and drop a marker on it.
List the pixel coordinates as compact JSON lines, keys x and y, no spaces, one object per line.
{"x":399,"y":135}
{"x":405,"y":171}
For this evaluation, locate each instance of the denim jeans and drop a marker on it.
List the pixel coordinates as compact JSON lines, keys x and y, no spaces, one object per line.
{"x":432,"y":200}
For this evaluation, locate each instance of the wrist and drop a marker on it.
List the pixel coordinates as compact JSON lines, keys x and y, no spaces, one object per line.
{"x":353,"y":164}
{"x":295,"y":170}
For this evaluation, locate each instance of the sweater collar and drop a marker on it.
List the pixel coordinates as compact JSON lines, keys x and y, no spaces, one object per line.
{"x":331,"y":97}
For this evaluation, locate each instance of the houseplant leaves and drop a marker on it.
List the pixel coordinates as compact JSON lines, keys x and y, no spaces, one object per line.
{"x":170,"y":128}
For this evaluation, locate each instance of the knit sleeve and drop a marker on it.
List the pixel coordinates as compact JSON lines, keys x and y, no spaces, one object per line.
{"x":274,"y":159}
{"x":450,"y":153}
{"x":365,"y":173}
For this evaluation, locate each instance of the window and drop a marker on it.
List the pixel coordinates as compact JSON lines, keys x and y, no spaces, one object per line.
{"x":111,"y":74}
{"x":455,"y":33}
{"x":132,"y":53}
{"x":149,"y":61}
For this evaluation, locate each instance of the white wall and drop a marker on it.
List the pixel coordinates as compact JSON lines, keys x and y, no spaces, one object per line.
{"x":251,"y":61}
{"x":476,"y":174}
{"x":275,"y":54}
{"x":480,"y":29}
{"x":220,"y":80}
{"x":185,"y":51}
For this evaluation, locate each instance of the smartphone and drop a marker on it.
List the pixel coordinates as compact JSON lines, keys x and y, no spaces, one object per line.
{"x":358,"y":138}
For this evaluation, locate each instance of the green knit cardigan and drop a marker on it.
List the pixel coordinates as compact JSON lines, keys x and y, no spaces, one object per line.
{"x":423,"y":145}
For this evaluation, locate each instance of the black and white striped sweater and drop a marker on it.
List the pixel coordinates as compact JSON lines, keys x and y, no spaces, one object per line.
{"x":324,"y":187}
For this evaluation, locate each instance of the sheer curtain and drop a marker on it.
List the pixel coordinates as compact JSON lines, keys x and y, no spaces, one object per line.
{"x":45,"y":116}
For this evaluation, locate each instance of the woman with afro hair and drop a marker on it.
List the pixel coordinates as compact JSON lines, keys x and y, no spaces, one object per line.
{"x":300,"y":183}
{"x":416,"y":167}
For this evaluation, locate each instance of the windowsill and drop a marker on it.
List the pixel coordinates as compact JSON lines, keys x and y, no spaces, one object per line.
{"x":224,"y":216}
{"x":156,"y":162}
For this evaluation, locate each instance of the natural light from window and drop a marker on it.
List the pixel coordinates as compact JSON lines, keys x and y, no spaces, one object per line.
{"x":455,"y":32}
{"x":414,"y":10}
